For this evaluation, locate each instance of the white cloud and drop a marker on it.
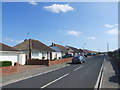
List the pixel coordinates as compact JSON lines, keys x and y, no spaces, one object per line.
{"x":57,"y":8}
{"x":112,"y":31}
{"x":74,"y":33}
{"x":12,"y":40}
{"x":116,"y":24}
{"x":91,"y":38}
{"x":32,"y":2}
{"x":108,"y":26}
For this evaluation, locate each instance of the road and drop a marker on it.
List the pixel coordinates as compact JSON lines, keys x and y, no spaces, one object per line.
{"x":73,"y":76}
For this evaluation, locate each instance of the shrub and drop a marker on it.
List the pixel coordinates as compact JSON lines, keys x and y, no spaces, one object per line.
{"x":55,"y":58}
{"x":5,"y":63}
{"x":43,"y":58}
{"x":66,"y":56}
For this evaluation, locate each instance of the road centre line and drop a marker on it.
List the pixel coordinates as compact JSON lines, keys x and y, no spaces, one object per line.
{"x":78,"y":68}
{"x":55,"y":80}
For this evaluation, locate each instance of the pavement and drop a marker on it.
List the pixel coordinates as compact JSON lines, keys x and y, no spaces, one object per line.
{"x":110,"y":74}
{"x":59,"y":76}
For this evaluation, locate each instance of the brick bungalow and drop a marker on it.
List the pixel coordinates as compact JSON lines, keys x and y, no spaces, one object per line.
{"x":34,"y":49}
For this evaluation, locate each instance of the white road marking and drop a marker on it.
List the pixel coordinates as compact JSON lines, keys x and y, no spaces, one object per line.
{"x":78,"y":68}
{"x":102,"y":75}
{"x":68,"y":65}
{"x":64,"y":66}
{"x":55,"y":80}
{"x":98,"y":79}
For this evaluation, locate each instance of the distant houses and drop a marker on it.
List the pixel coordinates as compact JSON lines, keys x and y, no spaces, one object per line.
{"x":31,"y":49}
{"x":73,"y":51}
{"x":8,"y":53}
{"x":60,"y":48}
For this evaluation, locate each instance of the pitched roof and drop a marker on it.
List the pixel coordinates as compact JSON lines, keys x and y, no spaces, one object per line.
{"x":74,"y":49}
{"x":55,"y":48}
{"x":62,"y":48}
{"x":4,"y":47}
{"x":35,"y":45}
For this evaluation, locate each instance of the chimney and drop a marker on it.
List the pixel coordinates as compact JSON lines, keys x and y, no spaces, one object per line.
{"x":25,"y":40}
{"x":53,"y":44}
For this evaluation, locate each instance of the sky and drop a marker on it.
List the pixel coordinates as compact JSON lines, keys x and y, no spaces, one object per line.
{"x":79,"y":24}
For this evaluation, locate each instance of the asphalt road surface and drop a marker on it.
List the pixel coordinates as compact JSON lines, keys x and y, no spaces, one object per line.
{"x":73,"y":76}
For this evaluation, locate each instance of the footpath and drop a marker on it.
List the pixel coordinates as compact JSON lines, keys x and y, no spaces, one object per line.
{"x":110,"y":74}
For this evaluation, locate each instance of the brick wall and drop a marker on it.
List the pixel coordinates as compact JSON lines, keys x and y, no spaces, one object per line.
{"x":47,"y":62}
{"x":38,"y":62}
{"x":9,"y":70}
{"x":60,"y":61}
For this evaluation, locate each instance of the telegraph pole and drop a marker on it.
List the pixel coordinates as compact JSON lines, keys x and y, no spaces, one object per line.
{"x":29,"y":48}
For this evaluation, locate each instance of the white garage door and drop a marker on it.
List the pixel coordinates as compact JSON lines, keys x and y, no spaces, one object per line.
{"x":9,"y":57}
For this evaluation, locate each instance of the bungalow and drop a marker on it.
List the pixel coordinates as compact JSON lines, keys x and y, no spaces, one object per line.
{"x":34,"y":49}
{"x":75,"y":51}
{"x":57,"y":54}
{"x":8,"y":53}
{"x":60,"y":48}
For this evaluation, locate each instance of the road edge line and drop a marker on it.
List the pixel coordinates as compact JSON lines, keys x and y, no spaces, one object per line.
{"x":100,"y":77}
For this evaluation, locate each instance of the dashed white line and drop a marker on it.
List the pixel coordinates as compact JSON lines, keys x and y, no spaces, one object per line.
{"x":55,"y":80}
{"x":78,"y":68}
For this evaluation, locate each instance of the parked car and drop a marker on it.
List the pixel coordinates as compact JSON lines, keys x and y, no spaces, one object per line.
{"x":78,"y":59}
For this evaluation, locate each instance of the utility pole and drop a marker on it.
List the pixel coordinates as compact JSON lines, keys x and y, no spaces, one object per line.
{"x":29,"y":48}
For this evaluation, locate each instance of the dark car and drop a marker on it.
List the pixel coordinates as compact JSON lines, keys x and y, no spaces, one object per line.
{"x":78,"y":59}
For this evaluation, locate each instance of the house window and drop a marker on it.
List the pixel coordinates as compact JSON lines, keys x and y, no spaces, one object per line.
{"x":35,"y":54}
{"x":43,"y":54}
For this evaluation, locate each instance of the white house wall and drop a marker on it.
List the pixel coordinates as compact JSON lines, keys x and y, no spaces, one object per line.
{"x":22,"y":59}
{"x":53,"y":55}
{"x":58,"y":55}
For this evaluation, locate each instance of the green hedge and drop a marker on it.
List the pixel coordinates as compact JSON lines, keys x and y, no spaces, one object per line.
{"x":66,"y":56}
{"x":5,"y":63}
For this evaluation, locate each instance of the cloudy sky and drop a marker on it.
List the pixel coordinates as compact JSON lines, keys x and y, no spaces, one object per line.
{"x":67,"y":23}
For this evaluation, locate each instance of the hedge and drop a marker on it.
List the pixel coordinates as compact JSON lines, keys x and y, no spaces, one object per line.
{"x":5,"y":63}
